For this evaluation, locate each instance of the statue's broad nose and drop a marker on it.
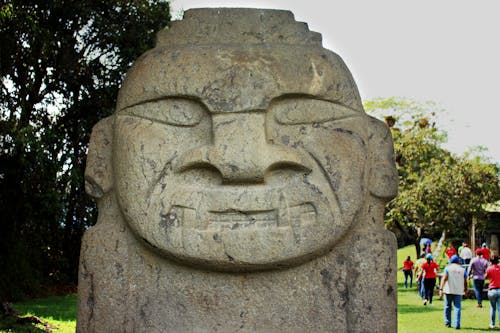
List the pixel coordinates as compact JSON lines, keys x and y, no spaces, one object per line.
{"x":240,"y":151}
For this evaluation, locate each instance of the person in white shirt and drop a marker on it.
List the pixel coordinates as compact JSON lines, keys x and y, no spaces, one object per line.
{"x":466,"y":254}
{"x":453,"y":286}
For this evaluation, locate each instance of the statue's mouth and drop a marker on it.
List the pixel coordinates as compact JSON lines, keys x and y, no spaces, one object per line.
{"x":242,"y":227}
{"x":233,"y":219}
{"x":236,"y":227}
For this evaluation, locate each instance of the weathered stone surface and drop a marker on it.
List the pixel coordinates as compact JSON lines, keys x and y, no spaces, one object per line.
{"x":240,"y":187}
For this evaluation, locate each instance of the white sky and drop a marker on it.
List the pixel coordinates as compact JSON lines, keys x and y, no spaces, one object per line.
{"x":447,"y":51}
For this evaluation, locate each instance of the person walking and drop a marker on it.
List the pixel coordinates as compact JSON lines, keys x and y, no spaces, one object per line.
{"x":476,"y":271}
{"x":493,"y":274}
{"x":450,"y":250}
{"x":460,"y":248}
{"x":429,"y":273}
{"x":408,"y":271}
{"x":466,"y":254}
{"x":486,"y":251}
{"x":418,"y":270}
{"x":453,"y":286}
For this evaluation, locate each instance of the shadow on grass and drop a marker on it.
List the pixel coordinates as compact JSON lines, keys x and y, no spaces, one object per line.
{"x":57,"y":307}
{"x":407,"y":308}
{"x":402,"y":289}
{"x":408,"y":290}
{"x":10,"y":324}
{"x":475,"y":329}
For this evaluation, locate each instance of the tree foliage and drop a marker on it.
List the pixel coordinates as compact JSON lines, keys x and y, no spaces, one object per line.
{"x":437,"y":189}
{"x":61,"y":63}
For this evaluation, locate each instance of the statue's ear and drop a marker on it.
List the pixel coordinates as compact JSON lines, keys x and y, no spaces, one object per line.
{"x":98,"y":172}
{"x":383,"y":176}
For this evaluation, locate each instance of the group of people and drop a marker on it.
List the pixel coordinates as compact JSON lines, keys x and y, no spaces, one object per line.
{"x":454,"y":281}
{"x":426,"y":270}
{"x":480,"y":270}
{"x":465,"y":253}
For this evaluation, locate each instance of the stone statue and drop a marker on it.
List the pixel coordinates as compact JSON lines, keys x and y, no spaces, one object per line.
{"x":240,"y":187}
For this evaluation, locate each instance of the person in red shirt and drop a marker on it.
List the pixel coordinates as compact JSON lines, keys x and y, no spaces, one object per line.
{"x":486,"y":251}
{"x":408,"y":271}
{"x":450,"y":251}
{"x":493,"y":274}
{"x":429,"y":273}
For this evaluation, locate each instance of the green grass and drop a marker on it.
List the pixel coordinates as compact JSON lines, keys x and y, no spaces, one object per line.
{"x":413,"y":317}
{"x":58,"y":311}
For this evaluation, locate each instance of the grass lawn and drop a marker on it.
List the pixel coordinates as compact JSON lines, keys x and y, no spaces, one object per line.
{"x":58,"y":311}
{"x":413,"y":317}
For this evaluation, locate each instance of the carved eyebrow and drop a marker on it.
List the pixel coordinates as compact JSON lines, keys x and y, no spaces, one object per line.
{"x":192,"y":98}
{"x":295,"y":111}
{"x":172,"y":111}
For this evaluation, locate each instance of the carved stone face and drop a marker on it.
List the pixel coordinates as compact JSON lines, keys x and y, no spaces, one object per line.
{"x":239,"y":159}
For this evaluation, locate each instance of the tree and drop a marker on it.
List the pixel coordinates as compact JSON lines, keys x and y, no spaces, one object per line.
{"x":438,"y":191}
{"x":61,"y":64}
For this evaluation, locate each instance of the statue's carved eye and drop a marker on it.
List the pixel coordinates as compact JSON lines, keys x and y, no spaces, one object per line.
{"x":307,"y":111}
{"x":171,"y":111}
